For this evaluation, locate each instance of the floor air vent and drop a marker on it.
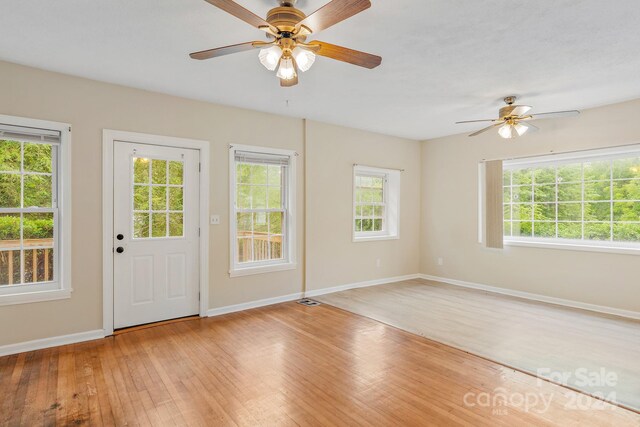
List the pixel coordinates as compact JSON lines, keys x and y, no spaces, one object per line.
{"x":308,"y":302}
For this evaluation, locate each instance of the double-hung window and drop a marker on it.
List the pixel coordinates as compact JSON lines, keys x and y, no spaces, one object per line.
{"x":376,"y":199}
{"x":34,"y":225}
{"x":590,"y":198}
{"x":262,"y":217}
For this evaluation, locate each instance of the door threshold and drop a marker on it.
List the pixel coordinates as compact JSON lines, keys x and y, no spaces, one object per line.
{"x":154,"y":324}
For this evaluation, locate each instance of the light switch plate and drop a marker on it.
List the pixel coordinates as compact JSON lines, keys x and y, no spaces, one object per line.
{"x":215,"y":219}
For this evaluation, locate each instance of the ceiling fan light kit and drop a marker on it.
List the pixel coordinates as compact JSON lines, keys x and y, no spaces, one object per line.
{"x":287,"y":29}
{"x":514,"y":120}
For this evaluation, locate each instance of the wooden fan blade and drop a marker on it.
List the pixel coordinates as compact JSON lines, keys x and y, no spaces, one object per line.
{"x":554,"y":115}
{"x":290,"y":82}
{"x":344,"y":54}
{"x":485,"y":129}
{"x":332,"y":13}
{"x":226,"y":50}
{"x":240,"y":12}
{"x":514,"y":110}
{"x":476,"y":121}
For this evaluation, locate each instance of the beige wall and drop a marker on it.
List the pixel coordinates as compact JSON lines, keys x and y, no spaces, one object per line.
{"x":449,"y":214}
{"x":333,"y":259}
{"x":90,"y":107}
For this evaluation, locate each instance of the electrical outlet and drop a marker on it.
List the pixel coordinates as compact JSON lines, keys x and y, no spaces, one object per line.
{"x":440,"y":261}
{"x":215,"y":219}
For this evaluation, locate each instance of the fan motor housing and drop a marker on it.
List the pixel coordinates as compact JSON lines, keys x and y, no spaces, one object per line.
{"x":285,"y":18}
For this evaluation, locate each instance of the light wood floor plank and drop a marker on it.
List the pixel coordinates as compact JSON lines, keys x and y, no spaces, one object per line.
{"x":285,"y":365}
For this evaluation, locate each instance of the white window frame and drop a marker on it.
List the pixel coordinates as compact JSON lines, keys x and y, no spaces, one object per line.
{"x":574,"y":244}
{"x":391,"y":199}
{"x":289,"y":224}
{"x":60,"y":287}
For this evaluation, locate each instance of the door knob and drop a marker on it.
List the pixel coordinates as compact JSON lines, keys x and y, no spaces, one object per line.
{"x":119,"y":237}
{"x":119,"y":249}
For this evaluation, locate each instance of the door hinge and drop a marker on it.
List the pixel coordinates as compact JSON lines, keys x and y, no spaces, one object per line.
{"x":198,"y":231}
{"x":199,"y":167}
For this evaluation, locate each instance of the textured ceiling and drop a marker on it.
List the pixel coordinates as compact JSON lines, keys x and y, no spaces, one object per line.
{"x":444,"y":60}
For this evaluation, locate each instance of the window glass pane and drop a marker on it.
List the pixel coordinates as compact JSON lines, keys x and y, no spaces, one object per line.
{"x":377,"y":225}
{"x":597,"y":231}
{"x":597,"y":170}
{"x":140,"y":225}
{"x":522,"y":194}
{"x":244,"y":249}
{"x":626,"y":232}
{"x":243,"y":196}
{"x":37,"y":229}
{"x":367,"y":225}
{"x":275,"y":174}
{"x":570,"y":212}
{"x":274,"y":198}
{"x":506,"y":195}
{"x":159,"y":171}
{"x":522,"y":212}
{"x":522,"y":177}
{"x":507,"y":228}
{"x":37,"y":158}
{"x":545,"y":175}
{"x":9,"y":231}
{"x":544,"y":212}
{"x":141,"y":197}
{"x":626,"y":168}
{"x":626,"y":211}
{"x":243,"y":173}
{"x":141,"y":170}
{"x":159,"y":225}
{"x":259,"y":174}
{"x":37,"y":191}
{"x":159,"y":198}
{"x":38,"y":265}
{"x":544,"y":193}
{"x":507,"y":212}
{"x":259,"y":197}
{"x":10,"y":153}
{"x":275,"y":222}
{"x":570,"y":173}
{"x":175,"y":172}
{"x":378,"y":211}
{"x":506,"y":178}
{"x":626,"y":189}
{"x":570,"y":230}
{"x":570,"y":192}
{"x":175,"y":224}
{"x":260,"y":224}
{"x":377,"y":196}
{"x":175,"y":199}
{"x":275,"y":244}
{"x":367,"y":210}
{"x":9,"y":190}
{"x":260,"y":248}
{"x":544,"y":229}
{"x":358,"y":225}
{"x":9,"y":267}
{"x":598,"y":190}
{"x":522,"y":228}
{"x":597,"y":211}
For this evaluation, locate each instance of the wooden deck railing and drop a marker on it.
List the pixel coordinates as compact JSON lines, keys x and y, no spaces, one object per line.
{"x":261,"y":247}
{"x":38,"y":261}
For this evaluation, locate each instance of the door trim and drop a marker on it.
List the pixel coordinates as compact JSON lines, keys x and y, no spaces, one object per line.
{"x":108,"y":138}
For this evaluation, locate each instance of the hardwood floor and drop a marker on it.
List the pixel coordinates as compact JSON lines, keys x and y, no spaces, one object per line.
{"x":531,"y":336}
{"x":280,"y":365}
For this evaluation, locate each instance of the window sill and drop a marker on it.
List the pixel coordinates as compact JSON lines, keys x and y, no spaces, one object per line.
{"x":248,"y":271}
{"x":574,"y":247}
{"x":39,"y":296}
{"x":374,"y":238}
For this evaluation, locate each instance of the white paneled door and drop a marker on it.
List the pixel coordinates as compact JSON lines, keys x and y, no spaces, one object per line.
{"x":156,"y":273}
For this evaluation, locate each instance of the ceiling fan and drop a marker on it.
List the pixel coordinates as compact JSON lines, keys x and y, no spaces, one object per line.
{"x":287,"y":29}
{"x":514,"y":120}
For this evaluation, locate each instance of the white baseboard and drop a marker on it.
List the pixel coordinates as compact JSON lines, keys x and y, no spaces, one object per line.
{"x":536,"y":297}
{"x":318,"y":292}
{"x":252,"y":304}
{"x":21,"y":347}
